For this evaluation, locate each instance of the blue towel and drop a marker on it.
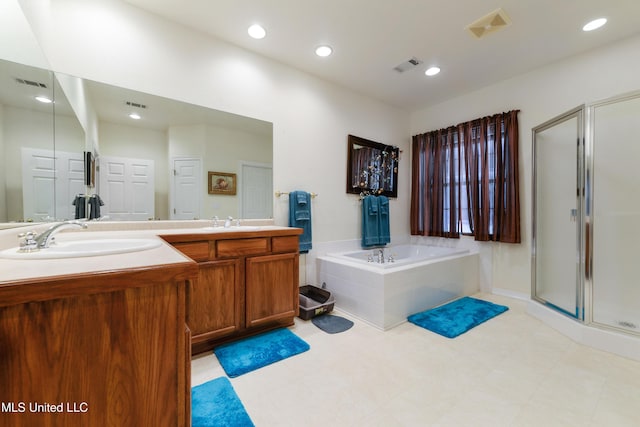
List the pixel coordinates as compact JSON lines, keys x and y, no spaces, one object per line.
{"x":383,"y":221}
{"x":300,"y":217}
{"x":375,"y":221}
{"x":370,"y":220}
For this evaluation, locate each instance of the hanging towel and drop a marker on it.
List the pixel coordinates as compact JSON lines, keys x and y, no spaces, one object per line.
{"x":375,"y":221}
{"x":383,"y":220}
{"x":94,"y":206}
{"x":370,"y":221}
{"x":79,"y":203}
{"x":300,"y":217}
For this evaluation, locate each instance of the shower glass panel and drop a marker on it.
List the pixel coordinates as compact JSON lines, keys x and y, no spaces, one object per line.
{"x":616,"y":212}
{"x":557,"y":213}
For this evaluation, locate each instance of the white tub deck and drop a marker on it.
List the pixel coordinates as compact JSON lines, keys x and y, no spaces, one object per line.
{"x":384,"y":295}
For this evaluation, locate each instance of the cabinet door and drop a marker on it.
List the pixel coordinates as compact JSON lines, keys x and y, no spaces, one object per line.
{"x":271,"y":288}
{"x":215,"y":300}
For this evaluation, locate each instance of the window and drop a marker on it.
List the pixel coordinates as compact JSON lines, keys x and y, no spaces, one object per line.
{"x":465,"y":180}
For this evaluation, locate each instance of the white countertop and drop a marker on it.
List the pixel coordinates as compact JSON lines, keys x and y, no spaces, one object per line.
{"x":23,"y":269}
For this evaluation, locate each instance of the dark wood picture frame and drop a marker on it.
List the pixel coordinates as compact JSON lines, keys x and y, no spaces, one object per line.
{"x":374,"y":171}
{"x":89,"y":169}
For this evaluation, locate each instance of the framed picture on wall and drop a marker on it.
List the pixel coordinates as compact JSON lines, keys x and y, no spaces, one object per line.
{"x":89,"y":169}
{"x":222,"y":183}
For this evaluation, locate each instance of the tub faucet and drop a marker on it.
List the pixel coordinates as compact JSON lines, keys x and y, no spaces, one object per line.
{"x":44,"y":240}
{"x":381,"y":256}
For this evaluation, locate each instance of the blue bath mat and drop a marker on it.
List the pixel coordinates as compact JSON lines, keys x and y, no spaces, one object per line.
{"x":215,"y":403}
{"x":457,"y":317}
{"x":255,"y":352}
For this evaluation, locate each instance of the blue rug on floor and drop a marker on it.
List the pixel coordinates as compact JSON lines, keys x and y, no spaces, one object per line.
{"x":215,"y":403}
{"x":255,"y":352}
{"x":457,"y":317}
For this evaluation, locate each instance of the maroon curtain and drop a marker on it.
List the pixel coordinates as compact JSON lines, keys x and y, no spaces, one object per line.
{"x":433,"y":191}
{"x":477,"y":161}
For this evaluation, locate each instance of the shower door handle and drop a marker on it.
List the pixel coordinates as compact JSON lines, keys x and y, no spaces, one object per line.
{"x":573,"y":215}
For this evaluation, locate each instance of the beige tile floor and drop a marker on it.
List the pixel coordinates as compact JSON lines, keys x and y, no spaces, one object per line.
{"x":510,"y":371}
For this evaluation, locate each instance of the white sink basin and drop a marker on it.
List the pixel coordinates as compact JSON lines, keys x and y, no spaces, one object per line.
{"x":84,"y":248}
{"x":234,"y":228}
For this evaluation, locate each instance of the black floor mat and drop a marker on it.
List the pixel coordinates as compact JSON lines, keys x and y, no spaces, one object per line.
{"x":332,"y":324}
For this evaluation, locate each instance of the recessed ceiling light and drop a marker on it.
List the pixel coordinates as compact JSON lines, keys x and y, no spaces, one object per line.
{"x":595,"y":24}
{"x":257,"y":32}
{"x":135,"y":116}
{"x":44,"y":99}
{"x":324,"y":50}
{"x":432,"y":71}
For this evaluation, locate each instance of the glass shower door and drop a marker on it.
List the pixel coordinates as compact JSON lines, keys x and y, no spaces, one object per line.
{"x":557,"y":213}
{"x":615,"y":140}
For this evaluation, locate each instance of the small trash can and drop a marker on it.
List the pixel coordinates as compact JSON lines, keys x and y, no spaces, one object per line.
{"x":314,"y":301}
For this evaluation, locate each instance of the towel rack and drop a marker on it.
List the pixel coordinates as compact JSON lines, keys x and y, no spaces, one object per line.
{"x":366,"y":193}
{"x":282,"y":193}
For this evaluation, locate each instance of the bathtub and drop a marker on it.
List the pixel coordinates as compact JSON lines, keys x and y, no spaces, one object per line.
{"x":401,"y":255}
{"x":384,"y":294}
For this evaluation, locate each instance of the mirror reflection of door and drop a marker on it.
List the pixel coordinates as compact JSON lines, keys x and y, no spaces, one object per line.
{"x":127,"y":188}
{"x":50,"y":183}
{"x":187,"y":188}
{"x":256,"y":187}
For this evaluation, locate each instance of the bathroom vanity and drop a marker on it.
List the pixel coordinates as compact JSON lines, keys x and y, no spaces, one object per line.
{"x":107,"y":340}
{"x":247,"y":282}
{"x":92,"y":348}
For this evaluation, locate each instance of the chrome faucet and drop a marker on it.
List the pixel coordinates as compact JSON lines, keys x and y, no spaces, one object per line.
{"x":215,"y":221}
{"x":381,"y":256}
{"x":227,"y":223}
{"x":44,"y":240}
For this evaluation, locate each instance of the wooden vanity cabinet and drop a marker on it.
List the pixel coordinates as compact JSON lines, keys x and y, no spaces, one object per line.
{"x":215,"y":300}
{"x":103,"y":349}
{"x":270,"y":296}
{"x":247,"y":283}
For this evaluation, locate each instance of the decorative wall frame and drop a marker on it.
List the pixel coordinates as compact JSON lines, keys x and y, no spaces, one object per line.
{"x":372,"y":167}
{"x":222,"y":183}
{"x":89,"y":169}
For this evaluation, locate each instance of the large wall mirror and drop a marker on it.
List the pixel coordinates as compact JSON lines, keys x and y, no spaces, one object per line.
{"x":150,"y":155}
{"x":372,"y":167}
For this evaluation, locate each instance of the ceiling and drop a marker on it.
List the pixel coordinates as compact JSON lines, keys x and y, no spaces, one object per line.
{"x":371,"y":37}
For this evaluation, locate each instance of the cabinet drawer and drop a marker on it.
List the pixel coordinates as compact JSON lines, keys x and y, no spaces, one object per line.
{"x":285,"y":244}
{"x":197,"y":251}
{"x":239,"y":247}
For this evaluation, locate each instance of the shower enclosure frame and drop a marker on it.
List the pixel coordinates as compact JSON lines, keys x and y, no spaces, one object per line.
{"x":577,"y":214}
{"x":585,"y":214}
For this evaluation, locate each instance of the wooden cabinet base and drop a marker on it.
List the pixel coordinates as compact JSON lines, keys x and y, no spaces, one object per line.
{"x":113,"y":358}
{"x":208,"y":345}
{"x":247,"y":284}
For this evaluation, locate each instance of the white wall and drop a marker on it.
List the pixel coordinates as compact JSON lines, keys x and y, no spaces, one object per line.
{"x":540,"y":95}
{"x":18,"y":41}
{"x":115,"y":43}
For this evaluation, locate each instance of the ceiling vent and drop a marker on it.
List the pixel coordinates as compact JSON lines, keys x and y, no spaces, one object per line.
{"x":407,"y":65}
{"x":135,"y":104}
{"x":494,"y":21}
{"x":30,"y":83}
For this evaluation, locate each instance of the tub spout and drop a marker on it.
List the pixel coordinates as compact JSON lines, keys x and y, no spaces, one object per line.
{"x":380,"y":256}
